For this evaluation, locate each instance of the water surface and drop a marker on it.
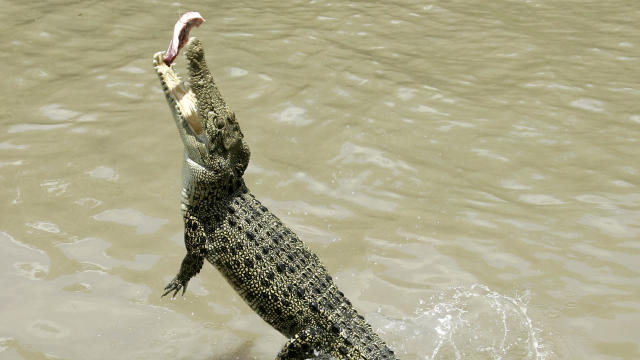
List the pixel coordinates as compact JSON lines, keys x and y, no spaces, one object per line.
{"x":468,"y":171}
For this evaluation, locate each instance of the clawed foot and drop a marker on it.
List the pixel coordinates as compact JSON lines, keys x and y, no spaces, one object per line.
{"x":175,"y":285}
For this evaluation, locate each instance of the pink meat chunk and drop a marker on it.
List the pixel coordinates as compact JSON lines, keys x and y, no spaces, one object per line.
{"x":181,"y":34}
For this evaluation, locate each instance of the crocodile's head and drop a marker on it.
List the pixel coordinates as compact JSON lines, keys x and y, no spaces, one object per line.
{"x":211,"y":135}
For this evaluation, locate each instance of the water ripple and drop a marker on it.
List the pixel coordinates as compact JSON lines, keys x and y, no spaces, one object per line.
{"x":57,"y":113}
{"x":354,"y":154}
{"x":293,"y":115}
{"x":93,"y":251}
{"x":144,"y":224}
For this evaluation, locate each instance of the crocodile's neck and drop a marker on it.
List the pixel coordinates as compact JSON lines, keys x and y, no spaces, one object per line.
{"x":202,"y":188}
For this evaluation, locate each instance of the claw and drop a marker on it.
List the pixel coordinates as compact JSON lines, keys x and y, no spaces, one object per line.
{"x":167,"y":290}
{"x":175,"y":285}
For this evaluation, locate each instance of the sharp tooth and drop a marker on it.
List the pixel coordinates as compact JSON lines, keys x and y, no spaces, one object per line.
{"x":184,"y":98}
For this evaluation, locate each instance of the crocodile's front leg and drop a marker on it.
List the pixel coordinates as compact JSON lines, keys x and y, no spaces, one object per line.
{"x":191,"y":265}
{"x":194,"y":240}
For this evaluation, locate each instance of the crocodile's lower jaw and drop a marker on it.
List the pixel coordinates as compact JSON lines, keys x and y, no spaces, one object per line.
{"x":181,"y":95}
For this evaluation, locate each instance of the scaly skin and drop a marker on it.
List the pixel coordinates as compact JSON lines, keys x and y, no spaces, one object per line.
{"x":266,"y":262}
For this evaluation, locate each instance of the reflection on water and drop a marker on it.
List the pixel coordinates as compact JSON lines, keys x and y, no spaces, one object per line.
{"x":420,"y":148}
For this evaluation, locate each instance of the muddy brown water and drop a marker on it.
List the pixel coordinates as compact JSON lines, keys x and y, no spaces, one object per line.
{"x":467,"y":170}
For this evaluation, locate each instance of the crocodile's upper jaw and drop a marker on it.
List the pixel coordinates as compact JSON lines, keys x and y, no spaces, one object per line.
{"x":209,"y":130}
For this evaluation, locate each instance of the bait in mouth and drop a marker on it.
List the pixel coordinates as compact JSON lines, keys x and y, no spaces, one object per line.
{"x":181,"y":34}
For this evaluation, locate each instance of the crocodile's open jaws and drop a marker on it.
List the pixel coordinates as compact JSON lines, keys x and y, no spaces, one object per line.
{"x":176,"y":91}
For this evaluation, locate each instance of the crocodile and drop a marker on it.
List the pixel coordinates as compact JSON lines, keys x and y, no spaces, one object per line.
{"x":276,"y":273}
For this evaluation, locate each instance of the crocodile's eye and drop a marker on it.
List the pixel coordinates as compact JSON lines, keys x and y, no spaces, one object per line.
{"x":219,"y":122}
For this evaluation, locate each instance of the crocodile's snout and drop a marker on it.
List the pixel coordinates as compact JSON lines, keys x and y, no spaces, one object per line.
{"x":194,"y":51}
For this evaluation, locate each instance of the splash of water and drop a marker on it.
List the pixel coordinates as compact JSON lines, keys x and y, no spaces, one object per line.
{"x":467,"y":323}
